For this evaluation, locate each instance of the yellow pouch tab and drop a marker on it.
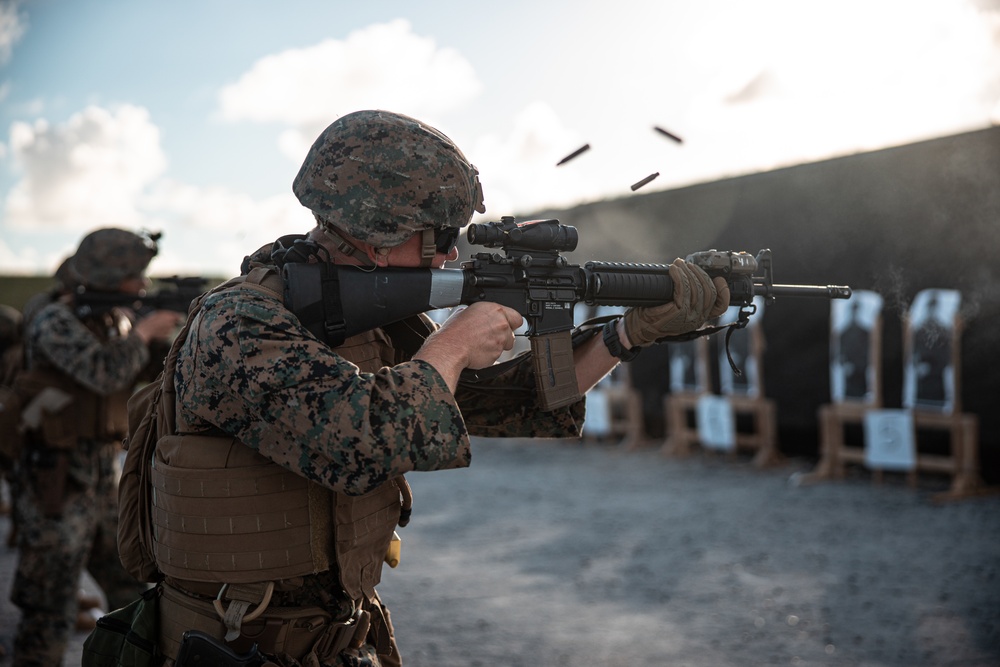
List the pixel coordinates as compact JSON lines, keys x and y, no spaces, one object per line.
{"x":393,"y":552}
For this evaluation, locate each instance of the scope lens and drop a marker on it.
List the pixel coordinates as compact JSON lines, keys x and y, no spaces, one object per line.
{"x":491,"y":235}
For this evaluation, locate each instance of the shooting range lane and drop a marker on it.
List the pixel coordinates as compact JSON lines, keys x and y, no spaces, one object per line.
{"x":549,"y":551}
{"x":574,"y":554}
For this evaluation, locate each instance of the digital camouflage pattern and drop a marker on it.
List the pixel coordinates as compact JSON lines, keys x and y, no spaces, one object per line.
{"x":63,"y":285}
{"x":54,"y":550}
{"x":249,"y":368}
{"x":105,"y":257}
{"x":103,"y":357}
{"x":381,"y":177}
{"x":57,"y":339}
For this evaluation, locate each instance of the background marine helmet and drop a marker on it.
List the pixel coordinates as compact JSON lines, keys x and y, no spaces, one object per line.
{"x":108,"y":256}
{"x":381,"y":177}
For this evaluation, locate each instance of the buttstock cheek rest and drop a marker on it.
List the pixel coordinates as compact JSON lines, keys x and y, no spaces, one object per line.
{"x":555,"y":372}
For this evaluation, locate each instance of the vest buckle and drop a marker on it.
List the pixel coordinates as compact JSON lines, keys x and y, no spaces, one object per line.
{"x":240,"y":597}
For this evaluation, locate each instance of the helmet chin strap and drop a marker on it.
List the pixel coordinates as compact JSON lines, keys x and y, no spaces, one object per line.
{"x":428,"y":249}
{"x":345,"y":247}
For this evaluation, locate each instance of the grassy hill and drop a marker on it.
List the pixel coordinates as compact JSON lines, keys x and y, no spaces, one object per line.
{"x":16,"y":290}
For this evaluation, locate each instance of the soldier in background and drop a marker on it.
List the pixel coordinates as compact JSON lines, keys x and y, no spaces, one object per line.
{"x":63,"y":286}
{"x":10,"y":441}
{"x":11,"y":331}
{"x":80,"y":370}
{"x":11,"y":355}
{"x":12,"y":326}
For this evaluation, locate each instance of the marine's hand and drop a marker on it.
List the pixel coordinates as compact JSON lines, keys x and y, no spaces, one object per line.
{"x":473,"y":337}
{"x":158,"y":325}
{"x":697,"y":298}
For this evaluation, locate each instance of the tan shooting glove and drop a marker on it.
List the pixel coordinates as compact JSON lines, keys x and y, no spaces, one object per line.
{"x":697,"y":298}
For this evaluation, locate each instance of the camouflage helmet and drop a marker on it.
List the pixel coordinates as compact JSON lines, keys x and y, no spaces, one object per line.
{"x":108,"y":256}
{"x":381,"y":177}
{"x":64,"y":276}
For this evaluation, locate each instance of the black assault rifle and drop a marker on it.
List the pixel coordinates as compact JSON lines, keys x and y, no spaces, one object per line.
{"x":531,"y":277}
{"x":176,"y":295}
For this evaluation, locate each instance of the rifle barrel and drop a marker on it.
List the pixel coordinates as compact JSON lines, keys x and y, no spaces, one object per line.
{"x":823,"y":291}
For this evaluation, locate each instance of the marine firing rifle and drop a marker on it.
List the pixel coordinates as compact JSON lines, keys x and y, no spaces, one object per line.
{"x":178,"y":297}
{"x":335,"y":302}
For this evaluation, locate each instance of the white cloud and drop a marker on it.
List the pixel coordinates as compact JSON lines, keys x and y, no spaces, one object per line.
{"x":213,"y":228}
{"x":12,"y":28}
{"x":106,"y":168}
{"x":85,"y":173}
{"x":519,"y":170}
{"x":222,"y":209}
{"x":814,"y":81}
{"x":777,"y":83}
{"x":29,"y":260}
{"x":383,"y":66}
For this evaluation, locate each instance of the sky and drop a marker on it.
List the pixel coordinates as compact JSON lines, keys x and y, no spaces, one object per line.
{"x":192,"y":117}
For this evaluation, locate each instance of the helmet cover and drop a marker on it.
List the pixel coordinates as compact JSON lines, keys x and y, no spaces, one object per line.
{"x":108,"y":256}
{"x":381,"y":177}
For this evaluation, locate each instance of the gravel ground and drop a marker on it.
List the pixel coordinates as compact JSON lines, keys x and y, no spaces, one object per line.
{"x":562,"y":553}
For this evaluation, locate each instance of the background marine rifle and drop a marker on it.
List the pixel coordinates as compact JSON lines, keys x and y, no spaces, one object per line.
{"x":532,"y":277}
{"x":176,"y":294}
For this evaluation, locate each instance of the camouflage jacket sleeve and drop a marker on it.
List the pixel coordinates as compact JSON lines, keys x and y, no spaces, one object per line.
{"x":250,"y":369}
{"x":57,"y":338}
{"x":506,"y":407}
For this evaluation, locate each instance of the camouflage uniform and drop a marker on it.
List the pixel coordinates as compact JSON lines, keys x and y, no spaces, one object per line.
{"x":353,"y":418}
{"x":13,"y":364}
{"x":258,"y":397}
{"x":11,"y":331}
{"x":11,"y":361}
{"x":100,"y":357}
{"x":315,"y":414}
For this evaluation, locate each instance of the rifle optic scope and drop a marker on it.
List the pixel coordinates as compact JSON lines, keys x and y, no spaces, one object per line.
{"x":540,"y":235}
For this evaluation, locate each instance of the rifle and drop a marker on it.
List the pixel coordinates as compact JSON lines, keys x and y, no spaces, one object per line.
{"x":335,"y":302}
{"x":178,"y":298}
